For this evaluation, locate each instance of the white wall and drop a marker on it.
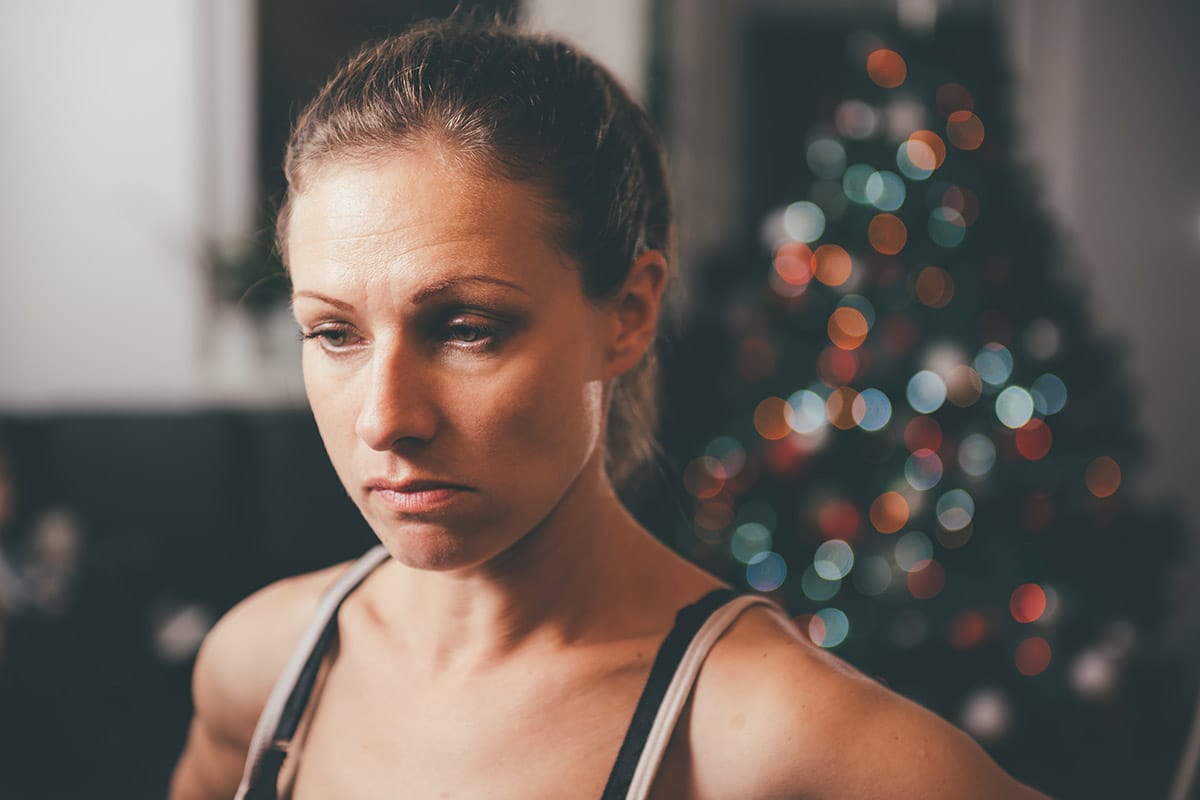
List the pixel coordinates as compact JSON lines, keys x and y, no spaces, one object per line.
{"x":127,"y":139}
{"x":614,"y":32}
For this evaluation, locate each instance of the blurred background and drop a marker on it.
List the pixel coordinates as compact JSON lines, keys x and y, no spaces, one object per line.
{"x":931,"y":384}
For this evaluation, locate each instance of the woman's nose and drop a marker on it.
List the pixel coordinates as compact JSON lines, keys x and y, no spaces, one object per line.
{"x":397,"y":405}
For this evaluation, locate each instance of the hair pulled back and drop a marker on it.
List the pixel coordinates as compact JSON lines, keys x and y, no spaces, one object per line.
{"x":523,"y":107}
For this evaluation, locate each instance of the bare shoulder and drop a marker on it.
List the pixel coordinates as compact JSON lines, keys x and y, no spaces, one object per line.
{"x":235,"y":670}
{"x":245,"y":652}
{"x":775,"y":716}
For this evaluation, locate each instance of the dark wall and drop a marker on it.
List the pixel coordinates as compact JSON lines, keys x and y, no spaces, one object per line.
{"x":174,"y":511}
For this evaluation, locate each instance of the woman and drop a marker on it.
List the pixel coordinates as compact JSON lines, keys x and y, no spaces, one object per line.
{"x":477,"y":229}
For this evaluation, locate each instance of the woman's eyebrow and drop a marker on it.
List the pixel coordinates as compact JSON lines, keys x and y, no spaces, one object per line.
{"x":324,"y":298}
{"x":451,"y":283}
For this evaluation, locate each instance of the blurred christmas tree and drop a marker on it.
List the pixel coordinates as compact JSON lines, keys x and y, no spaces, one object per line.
{"x":927,"y":452}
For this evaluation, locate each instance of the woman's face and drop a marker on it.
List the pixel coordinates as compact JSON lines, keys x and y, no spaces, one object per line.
{"x":455,"y":369}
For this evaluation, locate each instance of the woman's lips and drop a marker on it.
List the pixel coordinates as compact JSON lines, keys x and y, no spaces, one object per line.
{"x":416,"y":497}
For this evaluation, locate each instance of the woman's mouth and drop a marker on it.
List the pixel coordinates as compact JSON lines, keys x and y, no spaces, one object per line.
{"x":415,"y":497}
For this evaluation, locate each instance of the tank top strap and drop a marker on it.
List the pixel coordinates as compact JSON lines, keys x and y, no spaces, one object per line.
{"x":285,"y":705}
{"x":678,"y":662}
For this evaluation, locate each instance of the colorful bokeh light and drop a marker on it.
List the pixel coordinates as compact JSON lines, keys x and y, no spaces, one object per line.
{"x":964,"y":130}
{"x":889,"y":512}
{"x":1103,"y":476}
{"x":887,"y":234}
{"x":887,"y":68}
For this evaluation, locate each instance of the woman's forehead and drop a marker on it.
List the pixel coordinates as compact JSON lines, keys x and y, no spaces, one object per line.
{"x":415,"y":213}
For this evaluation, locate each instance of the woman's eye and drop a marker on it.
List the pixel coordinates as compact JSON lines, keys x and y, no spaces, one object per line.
{"x":329,"y":338}
{"x":467,"y":333}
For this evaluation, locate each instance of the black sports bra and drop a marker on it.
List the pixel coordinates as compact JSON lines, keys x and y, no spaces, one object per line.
{"x":697,"y":628}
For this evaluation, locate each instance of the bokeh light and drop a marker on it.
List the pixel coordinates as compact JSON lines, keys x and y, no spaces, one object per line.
{"x":922,"y":433}
{"x":1094,"y":673}
{"x":1049,"y":394}
{"x":955,"y":510}
{"x":788,"y":291}
{"x":926,"y":150}
{"x":934,"y":287}
{"x":847,"y":327}
{"x":826,"y":158}
{"x":963,"y":386}
{"x":1034,"y":439}
{"x":872,"y":576}
{"x":927,"y":582}
{"x":968,"y":629}
{"x":845,"y":408}
{"x":834,"y":627}
{"x":887,"y":234}
{"x":994,"y":363}
{"x":878,"y":411}
{"x":889,"y":512}
{"x":773,"y":418}
{"x":749,"y":540}
{"x":923,"y":469}
{"x":855,"y":119}
{"x":804,"y":221}
{"x":794,"y":263}
{"x":836,"y":366}
{"x":766,"y":572}
{"x":926,"y":392}
{"x":854,"y":183}
{"x":1103,"y":477}
{"x":714,"y":515}
{"x":1027,"y":603}
{"x":947,"y":227}
{"x":729,"y":453}
{"x":905,"y":153}
{"x":987,"y":715}
{"x":808,"y":411}
{"x":964,"y":130}
{"x":1043,"y":339}
{"x":839,"y":519}
{"x":964,"y":201}
{"x":1033,"y":656}
{"x":1014,"y":407}
{"x":833,"y":560}
{"x":887,"y":68}
{"x":885,"y":190}
{"x":913,"y":551}
{"x":831,"y":264}
{"x":702,"y":477}
{"x":903,"y":115}
{"x":817,"y":588}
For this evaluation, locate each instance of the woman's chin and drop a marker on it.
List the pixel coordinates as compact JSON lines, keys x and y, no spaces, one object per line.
{"x":433,"y":548}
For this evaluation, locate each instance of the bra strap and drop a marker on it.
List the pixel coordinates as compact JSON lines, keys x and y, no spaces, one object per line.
{"x":285,"y":705}
{"x":697,"y":629}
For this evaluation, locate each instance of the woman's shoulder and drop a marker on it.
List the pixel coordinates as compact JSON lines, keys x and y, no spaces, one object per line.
{"x":774,"y":715}
{"x":245,"y":652}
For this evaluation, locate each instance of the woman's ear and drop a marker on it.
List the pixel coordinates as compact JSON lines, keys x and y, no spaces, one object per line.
{"x":635,"y":310}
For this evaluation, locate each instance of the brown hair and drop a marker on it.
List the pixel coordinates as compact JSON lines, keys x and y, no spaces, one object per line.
{"x":528,"y":108}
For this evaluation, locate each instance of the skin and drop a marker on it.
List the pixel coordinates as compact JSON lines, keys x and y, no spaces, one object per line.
{"x":501,"y":651}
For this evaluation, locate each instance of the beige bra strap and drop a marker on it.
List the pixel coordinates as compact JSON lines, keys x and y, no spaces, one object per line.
{"x":680,"y":689}
{"x":330,"y":601}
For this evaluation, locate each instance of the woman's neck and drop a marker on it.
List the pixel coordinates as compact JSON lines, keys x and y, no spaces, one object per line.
{"x":539,"y":595}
